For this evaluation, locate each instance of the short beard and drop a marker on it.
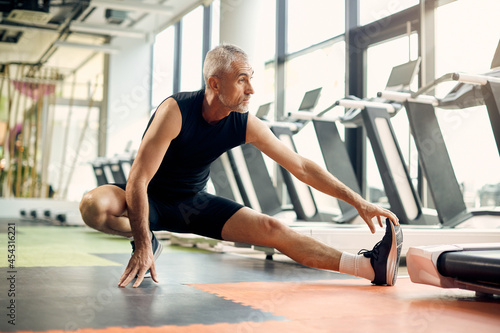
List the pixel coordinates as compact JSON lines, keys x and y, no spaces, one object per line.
{"x":241,"y":108}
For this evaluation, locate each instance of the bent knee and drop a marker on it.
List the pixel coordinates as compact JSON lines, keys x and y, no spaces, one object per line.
{"x":93,"y":210}
{"x":271,"y":227}
{"x":88,"y":209}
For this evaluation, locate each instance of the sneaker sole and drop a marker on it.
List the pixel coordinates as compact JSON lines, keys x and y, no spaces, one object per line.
{"x":156,"y":256}
{"x":158,"y":250}
{"x":394,"y":254}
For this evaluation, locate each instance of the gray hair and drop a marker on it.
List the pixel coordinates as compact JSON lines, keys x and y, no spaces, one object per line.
{"x":218,"y":60}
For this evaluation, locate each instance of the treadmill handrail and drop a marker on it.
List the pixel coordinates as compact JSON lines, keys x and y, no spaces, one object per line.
{"x":294,"y":127}
{"x":455,"y":76}
{"x":406,"y":97}
{"x":361,"y":104}
{"x":346,"y":103}
{"x":474,"y":78}
{"x":304,"y":115}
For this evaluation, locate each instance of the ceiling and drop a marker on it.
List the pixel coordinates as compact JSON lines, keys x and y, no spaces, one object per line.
{"x":70,"y":34}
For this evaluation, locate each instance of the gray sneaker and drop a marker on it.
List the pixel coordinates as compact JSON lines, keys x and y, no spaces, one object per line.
{"x":385,"y":255}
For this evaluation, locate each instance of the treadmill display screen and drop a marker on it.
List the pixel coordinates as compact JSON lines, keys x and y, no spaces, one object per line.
{"x":402,"y":75}
{"x":310,"y":99}
{"x":496,"y":58}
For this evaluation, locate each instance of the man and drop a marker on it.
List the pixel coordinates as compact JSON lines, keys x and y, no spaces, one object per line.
{"x":165,"y":189}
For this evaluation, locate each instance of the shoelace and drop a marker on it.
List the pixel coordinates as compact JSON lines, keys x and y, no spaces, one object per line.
{"x":371,"y":254}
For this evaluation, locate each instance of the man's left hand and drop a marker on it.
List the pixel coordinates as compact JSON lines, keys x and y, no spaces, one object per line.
{"x":368,"y":211}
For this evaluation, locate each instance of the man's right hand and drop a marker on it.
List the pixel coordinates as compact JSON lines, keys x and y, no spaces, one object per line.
{"x":142,"y":259}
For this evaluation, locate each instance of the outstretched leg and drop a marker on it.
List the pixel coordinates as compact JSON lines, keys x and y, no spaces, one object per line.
{"x":248,"y":226}
{"x":378,"y":265}
{"x":105,"y":209}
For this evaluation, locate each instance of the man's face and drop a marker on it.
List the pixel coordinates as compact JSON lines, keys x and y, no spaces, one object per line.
{"x":236,"y":87}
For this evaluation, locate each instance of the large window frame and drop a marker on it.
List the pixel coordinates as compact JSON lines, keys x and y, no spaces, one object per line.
{"x":207,"y":40}
{"x":358,"y":39}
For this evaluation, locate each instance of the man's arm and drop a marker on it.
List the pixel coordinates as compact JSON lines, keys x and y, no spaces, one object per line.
{"x":164,"y":128}
{"x":310,"y":173}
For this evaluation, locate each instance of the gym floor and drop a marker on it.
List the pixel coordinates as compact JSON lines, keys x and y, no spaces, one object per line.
{"x":64,"y":279}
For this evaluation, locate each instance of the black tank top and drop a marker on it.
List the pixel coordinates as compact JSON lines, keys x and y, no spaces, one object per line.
{"x":185,"y":167}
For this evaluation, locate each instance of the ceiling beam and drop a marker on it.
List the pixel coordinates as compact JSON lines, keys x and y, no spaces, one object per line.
{"x":99,"y":48}
{"x":107,"y":30}
{"x":137,"y":6}
{"x":12,"y":27}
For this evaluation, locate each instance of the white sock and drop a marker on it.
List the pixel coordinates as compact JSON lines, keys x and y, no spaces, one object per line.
{"x":357,"y":265}
{"x":150,"y":236}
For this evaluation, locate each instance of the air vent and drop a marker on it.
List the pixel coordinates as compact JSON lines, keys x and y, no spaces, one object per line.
{"x":115,"y":16}
{"x":10,"y":37}
{"x":29,"y":17}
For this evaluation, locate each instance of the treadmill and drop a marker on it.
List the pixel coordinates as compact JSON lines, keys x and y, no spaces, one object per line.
{"x":300,"y":193}
{"x":335,"y":156}
{"x":471,"y":90}
{"x":333,"y":149}
{"x":473,"y":267}
{"x":374,"y":116}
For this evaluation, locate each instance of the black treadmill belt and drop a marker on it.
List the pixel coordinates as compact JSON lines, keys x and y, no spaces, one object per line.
{"x":479,"y":266}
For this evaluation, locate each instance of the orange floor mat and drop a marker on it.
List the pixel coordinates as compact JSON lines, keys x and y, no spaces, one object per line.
{"x":355,"y":306}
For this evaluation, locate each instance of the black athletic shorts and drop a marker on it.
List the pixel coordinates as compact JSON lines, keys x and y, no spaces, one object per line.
{"x":202,"y":213}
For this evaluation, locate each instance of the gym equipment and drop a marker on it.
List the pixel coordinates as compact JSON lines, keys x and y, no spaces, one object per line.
{"x":335,"y":155}
{"x":300,"y":194}
{"x":226,"y":180}
{"x":374,"y":116}
{"x":102,"y":173}
{"x":469,"y":266}
{"x":471,"y":90}
{"x":59,"y":217}
{"x":119,"y":166}
{"x":113,"y":169}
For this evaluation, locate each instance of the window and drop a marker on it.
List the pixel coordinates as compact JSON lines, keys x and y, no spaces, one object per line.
{"x":263,"y":58}
{"x":370,"y":11}
{"x":163,"y":66}
{"x":214,"y":41}
{"x":468,"y":46}
{"x":313,"y":21}
{"x":192,"y":50}
{"x":321,"y":68}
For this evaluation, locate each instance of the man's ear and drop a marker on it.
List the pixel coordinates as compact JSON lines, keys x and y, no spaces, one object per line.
{"x":214,"y":84}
